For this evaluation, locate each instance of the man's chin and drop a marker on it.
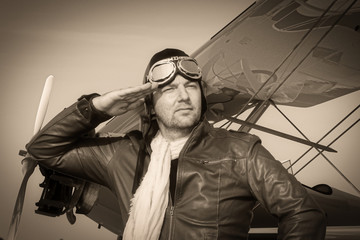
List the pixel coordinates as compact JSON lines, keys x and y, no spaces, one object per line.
{"x":185,"y":121}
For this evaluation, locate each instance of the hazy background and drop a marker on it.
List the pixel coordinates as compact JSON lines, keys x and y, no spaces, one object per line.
{"x":96,"y":46}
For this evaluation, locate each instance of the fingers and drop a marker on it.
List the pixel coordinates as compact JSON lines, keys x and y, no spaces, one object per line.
{"x":135,"y":105}
{"x":136,"y":93}
{"x":120,"y":101}
{"x":140,"y":91}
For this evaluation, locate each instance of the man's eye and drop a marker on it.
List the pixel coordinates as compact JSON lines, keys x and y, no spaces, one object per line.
{"x":193,"y":85}
{"x":167,"y":89}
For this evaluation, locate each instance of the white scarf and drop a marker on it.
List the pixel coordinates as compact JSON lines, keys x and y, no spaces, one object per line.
{"x":147,"y":209}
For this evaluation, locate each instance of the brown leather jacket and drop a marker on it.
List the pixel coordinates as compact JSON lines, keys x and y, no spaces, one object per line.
{"x":221,"y":175}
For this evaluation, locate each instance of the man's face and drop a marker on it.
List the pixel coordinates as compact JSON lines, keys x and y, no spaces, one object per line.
{"x":178,"y":104}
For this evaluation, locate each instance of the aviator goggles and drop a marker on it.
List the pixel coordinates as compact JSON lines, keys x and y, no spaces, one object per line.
{"x":164,"y":71}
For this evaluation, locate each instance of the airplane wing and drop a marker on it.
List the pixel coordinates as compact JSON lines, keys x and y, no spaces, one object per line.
{"x":296,"y":53}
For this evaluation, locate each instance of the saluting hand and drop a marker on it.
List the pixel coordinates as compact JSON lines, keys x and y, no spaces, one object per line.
{"x":118,"y":102}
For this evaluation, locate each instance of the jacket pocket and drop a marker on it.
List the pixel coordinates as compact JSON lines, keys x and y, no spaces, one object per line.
{"x":217,"y":161}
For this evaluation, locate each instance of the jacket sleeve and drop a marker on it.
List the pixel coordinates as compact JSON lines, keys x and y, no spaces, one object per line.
{"x":63,"y":144}
{"x":283,"y":196}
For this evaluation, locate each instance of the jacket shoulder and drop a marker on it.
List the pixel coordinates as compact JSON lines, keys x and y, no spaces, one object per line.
{"x":226,"y":143}
{"x":234,"y":135}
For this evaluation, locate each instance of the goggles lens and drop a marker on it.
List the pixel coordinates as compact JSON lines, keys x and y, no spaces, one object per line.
{"x":165,"y":70}
{"x":190,"y":68}
{"x":162,"y":71}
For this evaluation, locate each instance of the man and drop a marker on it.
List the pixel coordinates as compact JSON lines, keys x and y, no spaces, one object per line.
{"x":191,"y":181}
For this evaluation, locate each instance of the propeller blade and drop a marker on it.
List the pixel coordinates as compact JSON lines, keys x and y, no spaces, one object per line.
{"x":16,"y":216}
{"x":29,"y":164}
{"x":44,"y":102}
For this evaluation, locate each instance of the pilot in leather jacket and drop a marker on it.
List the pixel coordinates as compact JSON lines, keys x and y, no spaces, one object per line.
{"x":221,"y":175}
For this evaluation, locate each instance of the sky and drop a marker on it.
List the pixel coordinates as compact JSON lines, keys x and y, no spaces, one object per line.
{"x":97,"y":46}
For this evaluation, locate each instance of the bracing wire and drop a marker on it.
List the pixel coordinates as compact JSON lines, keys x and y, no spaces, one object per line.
{"x":320,"y":152}
{"x":346,"y":179}
{"x":330,"y":131}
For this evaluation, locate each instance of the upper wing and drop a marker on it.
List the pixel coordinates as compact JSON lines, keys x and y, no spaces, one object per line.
{"x":295,"y":53}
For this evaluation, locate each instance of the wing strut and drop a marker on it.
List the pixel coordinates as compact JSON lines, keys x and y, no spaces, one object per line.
{"x":280,"y":134}
{"x":254,"y":116}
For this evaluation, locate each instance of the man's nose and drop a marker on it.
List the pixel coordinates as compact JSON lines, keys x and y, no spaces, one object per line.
{"x":183,"y":93}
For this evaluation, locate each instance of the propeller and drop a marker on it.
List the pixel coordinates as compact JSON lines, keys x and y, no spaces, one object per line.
{"x":28,"y":163}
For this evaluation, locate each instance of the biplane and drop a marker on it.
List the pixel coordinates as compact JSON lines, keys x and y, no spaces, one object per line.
{"x":294,"y":54}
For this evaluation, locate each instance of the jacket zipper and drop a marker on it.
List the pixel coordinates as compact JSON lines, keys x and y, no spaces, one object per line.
{"x":171,"y":220}
{"x":172,"y":202}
